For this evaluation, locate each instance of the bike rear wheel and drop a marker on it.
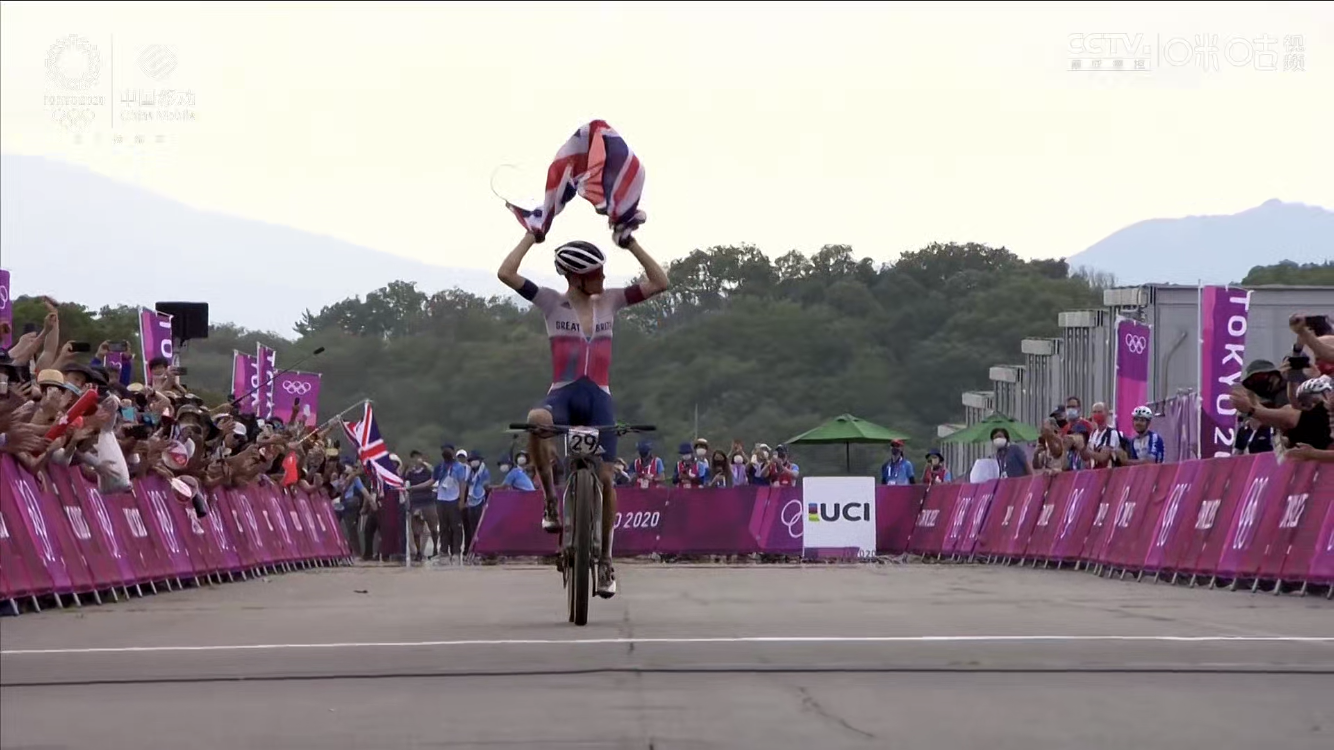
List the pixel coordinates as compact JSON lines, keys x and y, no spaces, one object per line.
{"x":581,"y":548}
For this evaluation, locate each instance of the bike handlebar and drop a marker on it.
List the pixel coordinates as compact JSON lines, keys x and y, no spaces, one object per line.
{"x":557,"y":429}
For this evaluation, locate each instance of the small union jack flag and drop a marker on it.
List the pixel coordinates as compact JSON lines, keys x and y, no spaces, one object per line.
{"x":371,"y":450}
{"x":596,"y":163}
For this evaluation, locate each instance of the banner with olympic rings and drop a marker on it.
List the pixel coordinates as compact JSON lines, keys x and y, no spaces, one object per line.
{"x":299,"y":389}
{"x":1133,"y":344}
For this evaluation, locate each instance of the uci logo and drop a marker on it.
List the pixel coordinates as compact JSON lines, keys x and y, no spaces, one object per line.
{"x":815,"y":512}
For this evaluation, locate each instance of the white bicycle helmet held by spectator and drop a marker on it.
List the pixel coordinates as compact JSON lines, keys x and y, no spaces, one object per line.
{"x":1315,"y":388}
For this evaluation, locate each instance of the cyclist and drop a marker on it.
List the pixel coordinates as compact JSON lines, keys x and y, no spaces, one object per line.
{"x":579,"y":327}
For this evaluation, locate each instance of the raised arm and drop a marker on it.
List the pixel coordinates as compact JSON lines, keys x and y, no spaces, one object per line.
{"x":655,"y":279}
{"x":509,"y":268}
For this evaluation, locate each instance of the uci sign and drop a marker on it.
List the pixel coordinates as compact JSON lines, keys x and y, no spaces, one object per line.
{"x":840,"y":513}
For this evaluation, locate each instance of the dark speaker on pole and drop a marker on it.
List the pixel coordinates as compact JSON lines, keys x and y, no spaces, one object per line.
{"x":189,"y":320}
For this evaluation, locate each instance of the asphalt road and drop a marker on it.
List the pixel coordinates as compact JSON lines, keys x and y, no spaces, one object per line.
{"x":895,"y":656}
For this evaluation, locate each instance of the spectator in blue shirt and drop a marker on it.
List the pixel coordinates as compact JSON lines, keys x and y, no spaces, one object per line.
{"x":513,"y":477}
{"x":898,"y":469}
{"x":478,"y":482}
{"x":451,"y":478}
{"x":1147,"y":447}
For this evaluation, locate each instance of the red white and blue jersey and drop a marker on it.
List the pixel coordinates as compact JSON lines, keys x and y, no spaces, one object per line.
{"x":576,"y":353}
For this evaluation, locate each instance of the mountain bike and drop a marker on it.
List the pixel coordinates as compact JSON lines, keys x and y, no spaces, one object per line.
{"x":580,"y":508}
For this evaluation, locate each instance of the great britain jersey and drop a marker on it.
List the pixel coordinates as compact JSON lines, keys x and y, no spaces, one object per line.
{"x":574,"y":354}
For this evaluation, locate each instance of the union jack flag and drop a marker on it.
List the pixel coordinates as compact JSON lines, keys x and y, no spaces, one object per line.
{"x":371,"y":450}
{"x":597,"y":164}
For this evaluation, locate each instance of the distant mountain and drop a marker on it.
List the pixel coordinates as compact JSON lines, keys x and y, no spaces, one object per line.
{"x":1213,"y":249}
{"x":60,"y":223}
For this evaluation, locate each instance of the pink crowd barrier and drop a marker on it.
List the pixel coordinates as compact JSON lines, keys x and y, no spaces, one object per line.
{"x":1222,"y":520}
{"x":70,"y":540}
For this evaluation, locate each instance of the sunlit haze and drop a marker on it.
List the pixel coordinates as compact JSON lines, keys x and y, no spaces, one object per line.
{"x":884,"y":126}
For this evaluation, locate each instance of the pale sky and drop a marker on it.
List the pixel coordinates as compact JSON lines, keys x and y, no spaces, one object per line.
{"x":884,"y":126}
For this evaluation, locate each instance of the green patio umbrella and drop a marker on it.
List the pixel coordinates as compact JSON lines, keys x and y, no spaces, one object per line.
{"x":847,"y":429}
{"x":981,"y":432}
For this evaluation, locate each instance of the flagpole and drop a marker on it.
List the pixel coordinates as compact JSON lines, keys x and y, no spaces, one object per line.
{"x":1199,"y":371}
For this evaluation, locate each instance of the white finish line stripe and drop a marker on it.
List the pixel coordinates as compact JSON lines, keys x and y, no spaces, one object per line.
{"x":686,"y":641}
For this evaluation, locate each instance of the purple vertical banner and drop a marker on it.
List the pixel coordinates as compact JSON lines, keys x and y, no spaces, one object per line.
{"x":291,"y":388}
{"x":1133,"y":341}
{"x":1224,"y":314}
{"x":6,"y":311}
{"x":154,"y":338}
{"x":262,"y":399}
{"x":245,"y":375}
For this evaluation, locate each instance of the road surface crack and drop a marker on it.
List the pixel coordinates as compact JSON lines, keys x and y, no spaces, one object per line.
{"x":809,"y":703}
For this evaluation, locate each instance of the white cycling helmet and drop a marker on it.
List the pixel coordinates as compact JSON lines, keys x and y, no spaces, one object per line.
{"x":1315,"y":387}
{"x":578,"y":257}
{"x":1142,"y":412}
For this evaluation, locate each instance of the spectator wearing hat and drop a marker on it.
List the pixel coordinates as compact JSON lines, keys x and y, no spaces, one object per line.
{"x":936,"y":470}
{"x":1266,"y":381}
{"x":690,"y":469}
{"x":898,"y":470}
{"x":783,"y":472}
{"x":514,"y":477}
{"x":620,"y":476}
{"x":479,"y":489}
{"x":649,"y":470}
{"x":701,"y":448}
{"x":758,"y":468}
{"x":451,"y":482}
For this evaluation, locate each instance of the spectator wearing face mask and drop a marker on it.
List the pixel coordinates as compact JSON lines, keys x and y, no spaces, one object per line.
{"x":1073,"y":408}
{"x":451,"y":480}
{"x":514,"y":477}
{"x":718,"y":469}
{"x":691,"y":472}
{"x":1105,"y":442}
{"x":648,"y":468}
{"x":739,"y":473}
{"x":1147,"y":446}
{"x":898,"y":470}
{"x":936,"y":471}
{"x":701,"y":447}
{"x":758,"y":469}
{"x":479,"y":489}
{"x":522,"y":463}
{"x":1010,"y":458}
{"x":1266,"y":381}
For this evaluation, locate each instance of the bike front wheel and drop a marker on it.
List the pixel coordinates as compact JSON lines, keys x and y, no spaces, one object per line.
{"x":581,"y":552}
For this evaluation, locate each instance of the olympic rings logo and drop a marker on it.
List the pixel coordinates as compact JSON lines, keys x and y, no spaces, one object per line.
{"x":74,"y":119}
{"x":297,"y":387}
{"x":4,"y":297}
{"x":1136,"y":344}
{"x":795,"y":519}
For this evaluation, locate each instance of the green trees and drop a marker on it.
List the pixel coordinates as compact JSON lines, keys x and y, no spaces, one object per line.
{"x":764,"y":349}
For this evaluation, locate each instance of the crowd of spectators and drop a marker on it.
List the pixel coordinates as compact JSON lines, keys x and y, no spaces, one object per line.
{"x":70,"y":404}
{"x":1286,"y":408}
